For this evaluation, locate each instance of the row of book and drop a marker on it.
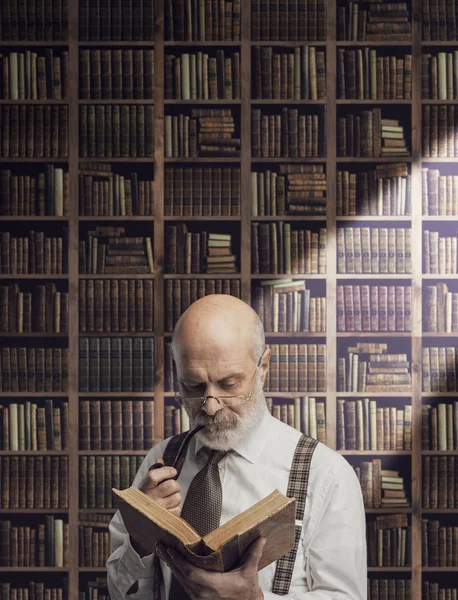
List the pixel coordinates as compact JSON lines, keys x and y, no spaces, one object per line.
{"x":287,"y":305}
{"x":116,"y":424}
{"x":34,"y":591}
{"x":365,"y":74}
{"x":98,"y":474}
{"x":206,"y":132}
{"x":98,"y":590}
{"x":34,"y":131}
{"x":383,"y":191}
{"x":201,"y":76}
{"x":289,"y":134}
{"x":380,"y":487}
{"x":46,"y":193}
{"x":34,"y":369}
{"x":296,"y":74}
{"x":439,"y":75}
{"x":439,"y":138}
{"x":439,"y":20}
{"x":439,"y":426}
{"x":34,"y":482}
{"x":109,"y":251}
{"x":432,"y":590}
{"x":125,"y":131}
{"x":295,"y":190}
{"x":439,"y":193}
{"x":441,"y":309}
{"x":35,"y":254}
{"x":43,"y":545}
{"x":198,"y":252}
{"x":374,"y":308}
{"x":397,"y":589}
{"x":34,"y":21}
{"x":383,"y":372}
{"x":440,"y":253}
{"x":94,"y":546}
{"x":365,"y":134}
{"x":31,"y":76}
{"x":116,"y":305}
{"x":116,"y":73}
{"x":362,"y":425}
{"x":439,"y":544}
{"x":202,"y":21}
{"x":116,"y":364}
{"x":116,"y":21}
{"x":374,"y":21}
{"x":304,"y":20}
{"x":181,"y":293}
{"x":439,"y":369}
{"x":110,"y":195}
{"x":440,"y":482}
{"x":278,"y":248}
{"x":201,"y":191}
{"x":44,"y":310}
{"x":389,"y":541}
{"x":29,"y":426}
{"x":374,"y":250}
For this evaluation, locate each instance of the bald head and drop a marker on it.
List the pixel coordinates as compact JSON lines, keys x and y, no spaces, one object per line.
{"x":219,"y":322}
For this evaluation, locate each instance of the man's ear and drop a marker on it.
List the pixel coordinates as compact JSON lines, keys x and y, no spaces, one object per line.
{"x":265,"y":363}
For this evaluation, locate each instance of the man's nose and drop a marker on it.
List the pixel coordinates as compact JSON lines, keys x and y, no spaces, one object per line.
{"x":211,"y":406}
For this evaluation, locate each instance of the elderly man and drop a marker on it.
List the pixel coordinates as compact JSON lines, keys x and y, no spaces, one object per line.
{"x":240,"y":456}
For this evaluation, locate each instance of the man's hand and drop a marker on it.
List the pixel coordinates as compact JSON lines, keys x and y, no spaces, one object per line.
{"x":239,"y":584}
{"x":159,"y":485}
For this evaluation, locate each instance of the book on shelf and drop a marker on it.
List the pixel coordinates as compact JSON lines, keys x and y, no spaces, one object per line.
{"x":368,"y":74}
{"x":439,"y":544}
{"x":98,"y":474}
{"x":398,"y":589}
{"x":439,"y":72}
{"x":431,"y":590}
{"x":439,"y":429}
{"x":35,"y":590}
{"x":374,"y":21}
{"x":202,"y":21}
{"x":279,"y":247}
{"x":34,"y":482}
{"x":374,"y":250}
{"x":29,"y":426}
{"x":294,"y":190}
{"x":180,"y":293}
{"x":439,"y":370}
{"x":383,"y":191}
{"x":305,"y":20}
{"x":440,"y":253}
{"x":125,"y":131}
{"x":374,"y":308}
{"x":34,"y":131}
{"x":438,"y":131}
{"x":34,"y":369}
{"x":116,"y":424}
{"x":116,"y":21}
{"x":439,"y":482}
{"x":202,"y":191}
{"x":206,"y":132}
{"x":383,"y":372}
{"x":290,"y":134}
{"x":220,"y":550}
{"x":94,"y":546}
{"x":46,"y":193}
{"x":287,"y":305}
{"x":116,"y":73}
{"x":362,"y":425}
{"x":202,"y":76}
{"x":116,"y":364}
{"x":33,"y":254}
{"x":439,"y":20}
{"x":116,"y":305}
{"x":297,"y":368}
{"x":389,"y":541}
{"x":35,"y":21}
{"x":298,"y":74}
{"x":439,"y":193}
{"x":440,"y":309}
{"x":380,"y":488}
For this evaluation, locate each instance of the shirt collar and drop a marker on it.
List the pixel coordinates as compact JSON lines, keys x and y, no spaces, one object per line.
{"x":252,"y":445}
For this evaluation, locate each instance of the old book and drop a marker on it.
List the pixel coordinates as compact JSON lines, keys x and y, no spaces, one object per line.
{"x":220,"y":550}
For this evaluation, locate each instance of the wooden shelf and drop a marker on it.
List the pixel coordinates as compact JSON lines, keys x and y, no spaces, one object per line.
{"x":116,"y":276}
{"x":291,"y":218}
{"x":34,"y":44}
{"x":6,"y":277}
{"x":34,"y":452}
{"x":430,"y":101}
{"x":216,"y":44}
{"x":363,"y":218}
{"x":34,"y":570}
{"x":117,"y":334}
{"x":203,"y":159}
{"x":439,"y":395}
{"x":123,"y":159}
{"x":432,"y":334}
{"x":440,"y":511}
{"x":110,"y":101}
{"x":275,"y":101}
{"x":148,"y":219}
{"x":281,"y":159}
{"x":115,"y":394}
{"x":291,"y":276}
{"x":34,"y":511}
{"x":389,"y":511}
{"x":376,"y":453}
{"x":204,"y":276}
{"x":295,"y":334}
{"x":33,"y":394}
{"x":115,"y":44}
{"x":113,"y":452}
{"x":92,"y":569}
{"x":34,"y":334}
{"x":374,"y":334}
{"x":375,"y":159}
{"x":33,"y":218}
{"x":439,"y":452}
{"x":203,"y":218}
{"x":389,"y":569}
{"x":202,"y":101}
{"x":375,"y":394}
{"x":288,"y":44}
{"x":356,"y":102}
{"x":344,"y":44}
{"x":427,"y":218}
{"x":373,"y":276}
{"x":94,"y":511}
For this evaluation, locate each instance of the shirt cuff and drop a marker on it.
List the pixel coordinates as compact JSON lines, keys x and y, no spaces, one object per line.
{"x":135,"y":566}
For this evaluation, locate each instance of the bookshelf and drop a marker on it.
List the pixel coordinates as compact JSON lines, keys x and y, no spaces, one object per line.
{"x":154,"y":225}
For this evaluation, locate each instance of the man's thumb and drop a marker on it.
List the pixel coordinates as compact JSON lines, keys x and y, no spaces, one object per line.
{"x":254,"y":553}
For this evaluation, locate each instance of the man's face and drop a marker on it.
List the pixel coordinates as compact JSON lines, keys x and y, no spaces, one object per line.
{"x":222,"y":370}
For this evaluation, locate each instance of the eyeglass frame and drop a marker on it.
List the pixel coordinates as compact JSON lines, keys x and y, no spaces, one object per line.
{"x":206,"y":397}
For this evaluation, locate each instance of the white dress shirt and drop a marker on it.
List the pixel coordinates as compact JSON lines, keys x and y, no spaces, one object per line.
{"x":331,"y":558}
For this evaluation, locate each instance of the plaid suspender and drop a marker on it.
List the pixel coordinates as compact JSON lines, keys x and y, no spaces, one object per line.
{"x":297,"y":488}
{"x":169,"y":456}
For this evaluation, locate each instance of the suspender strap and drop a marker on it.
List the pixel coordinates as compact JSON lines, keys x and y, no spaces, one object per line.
{"x":170,"y":452}
{"x":297,"y":488}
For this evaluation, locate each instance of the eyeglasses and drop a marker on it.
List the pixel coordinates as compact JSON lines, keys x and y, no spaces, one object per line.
{"x":199,"y":402}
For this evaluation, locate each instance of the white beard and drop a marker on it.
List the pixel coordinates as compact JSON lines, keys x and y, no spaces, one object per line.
{"x":223,"y":430}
